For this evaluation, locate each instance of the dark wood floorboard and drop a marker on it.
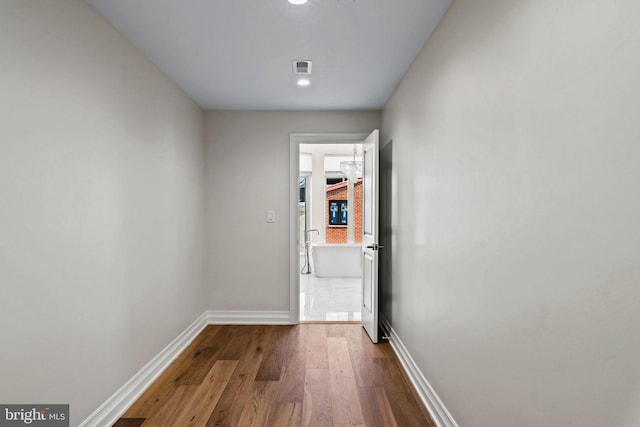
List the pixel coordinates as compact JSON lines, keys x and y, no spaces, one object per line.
{"x":316,"y":375}
{"x":129,"y":422}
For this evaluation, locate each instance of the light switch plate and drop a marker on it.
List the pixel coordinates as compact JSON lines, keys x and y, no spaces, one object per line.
{"x":271,"y":216}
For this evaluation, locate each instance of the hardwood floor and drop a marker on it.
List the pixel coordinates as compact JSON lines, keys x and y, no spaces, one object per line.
{"x":277,"y":376}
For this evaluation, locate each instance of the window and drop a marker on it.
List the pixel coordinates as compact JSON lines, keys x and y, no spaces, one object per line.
{"x":338,"y":212}
{"x":331,"y":181}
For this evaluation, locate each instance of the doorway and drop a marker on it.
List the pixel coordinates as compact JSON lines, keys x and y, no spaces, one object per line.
{"x":312,"y":296}
{"x":330,"y":239}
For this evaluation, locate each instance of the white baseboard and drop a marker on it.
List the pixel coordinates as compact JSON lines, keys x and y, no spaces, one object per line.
{"x":219,"y":317}
{"x":109,"y":412}
{"x":438,"y":411}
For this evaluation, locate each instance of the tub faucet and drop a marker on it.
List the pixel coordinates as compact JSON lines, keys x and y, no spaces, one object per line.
{"x":307,"y":265}
{"x":309,"y":231}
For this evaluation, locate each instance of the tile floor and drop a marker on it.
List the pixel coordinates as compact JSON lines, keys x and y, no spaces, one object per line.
{"x":329,"y":299}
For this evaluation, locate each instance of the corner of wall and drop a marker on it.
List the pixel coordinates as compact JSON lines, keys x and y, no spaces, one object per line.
{"x":437,"y":410}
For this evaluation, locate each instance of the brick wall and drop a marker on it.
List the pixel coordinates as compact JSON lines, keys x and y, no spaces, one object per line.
{"x":338,"y":233}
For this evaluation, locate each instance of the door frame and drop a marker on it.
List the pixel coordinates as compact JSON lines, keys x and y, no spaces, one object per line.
{"x":295,"y":139}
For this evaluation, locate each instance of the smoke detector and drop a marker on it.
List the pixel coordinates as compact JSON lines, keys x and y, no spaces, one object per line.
{"x":301,"y":66}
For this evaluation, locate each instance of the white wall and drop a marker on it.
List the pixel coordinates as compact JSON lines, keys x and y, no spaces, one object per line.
{"x":101,"y":207}
{"x":248,"y":173}
{"x":517,"y":264}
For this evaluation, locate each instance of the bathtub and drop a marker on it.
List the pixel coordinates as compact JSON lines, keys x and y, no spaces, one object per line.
{"x":337,"y":259}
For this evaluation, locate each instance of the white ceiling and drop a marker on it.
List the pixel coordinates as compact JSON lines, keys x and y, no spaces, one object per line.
{"x":236,"y":54}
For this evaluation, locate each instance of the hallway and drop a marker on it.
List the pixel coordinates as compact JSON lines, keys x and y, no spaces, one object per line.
{"x":304,"y":375}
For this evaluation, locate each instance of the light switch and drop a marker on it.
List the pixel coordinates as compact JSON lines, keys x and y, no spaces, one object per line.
{"x":271,"y":216}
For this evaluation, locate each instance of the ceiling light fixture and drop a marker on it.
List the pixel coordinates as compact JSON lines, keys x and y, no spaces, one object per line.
{"x":352,"y":168}
{"x":297,"y":1}
{"x":304,"y":82}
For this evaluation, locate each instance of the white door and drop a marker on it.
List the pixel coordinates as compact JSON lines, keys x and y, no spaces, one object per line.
{"x":370,"y":245}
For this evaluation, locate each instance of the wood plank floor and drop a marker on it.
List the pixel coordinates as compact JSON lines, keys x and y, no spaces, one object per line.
{"x":276,"y":376}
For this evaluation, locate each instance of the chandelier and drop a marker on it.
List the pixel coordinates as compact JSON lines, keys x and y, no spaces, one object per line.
{"x":352,"y":168}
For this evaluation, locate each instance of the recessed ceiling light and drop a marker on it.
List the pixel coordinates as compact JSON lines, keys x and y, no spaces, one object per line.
{"x":304,"y":82}
{"x":297,"y":1}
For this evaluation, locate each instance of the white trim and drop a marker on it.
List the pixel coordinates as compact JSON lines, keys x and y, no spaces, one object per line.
{"x":295,"y":139}
{"x":109,"y":412}
{"x":215,"y":317}
{"x":438,"y":411}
